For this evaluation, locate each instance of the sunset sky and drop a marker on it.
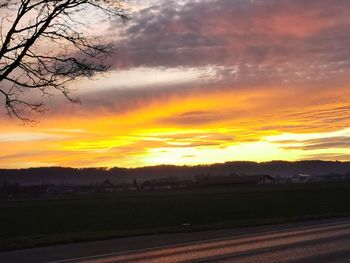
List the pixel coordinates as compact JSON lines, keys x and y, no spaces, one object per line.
{"x":203,"y":81}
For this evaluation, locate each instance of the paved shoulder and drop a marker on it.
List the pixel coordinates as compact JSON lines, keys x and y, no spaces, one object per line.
{"x":271,"y":243}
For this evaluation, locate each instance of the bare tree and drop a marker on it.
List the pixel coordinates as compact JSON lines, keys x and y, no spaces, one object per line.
{"x":44,"y":47}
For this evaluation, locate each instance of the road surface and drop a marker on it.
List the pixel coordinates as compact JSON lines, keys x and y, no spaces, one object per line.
{"x":318,"y":241}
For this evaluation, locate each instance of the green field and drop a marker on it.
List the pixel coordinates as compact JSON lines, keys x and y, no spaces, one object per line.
{"x":27,"y":223}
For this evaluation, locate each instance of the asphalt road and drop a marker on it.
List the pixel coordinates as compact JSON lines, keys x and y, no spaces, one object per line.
{"x":315,"y":241}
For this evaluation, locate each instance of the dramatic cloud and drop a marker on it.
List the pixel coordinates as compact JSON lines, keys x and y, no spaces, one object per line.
{"x":287,"y":40}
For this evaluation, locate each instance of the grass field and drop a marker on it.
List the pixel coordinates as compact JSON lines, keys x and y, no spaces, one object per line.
{"x":27,"y":223}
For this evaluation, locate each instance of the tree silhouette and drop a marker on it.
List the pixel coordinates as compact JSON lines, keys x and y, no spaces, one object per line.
{"x":44,"y":47}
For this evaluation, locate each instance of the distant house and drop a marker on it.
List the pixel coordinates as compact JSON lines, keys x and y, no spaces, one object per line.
{"x":304,"y":178}
{"x":156,"y":185}
{"x":106,"y":186}
{"x":295,"y":179}
{"x":234,"y":180}
{"x":330,"y":177}
{"x":165,"y":184}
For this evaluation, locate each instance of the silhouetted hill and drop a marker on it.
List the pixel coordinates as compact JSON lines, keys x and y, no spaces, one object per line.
{"x":86,"y":176}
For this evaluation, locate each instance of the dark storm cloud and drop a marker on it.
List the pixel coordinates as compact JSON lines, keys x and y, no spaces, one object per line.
{"x":290,"y":39}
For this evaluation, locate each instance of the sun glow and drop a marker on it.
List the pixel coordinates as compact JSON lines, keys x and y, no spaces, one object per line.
{"x":199,"y":90}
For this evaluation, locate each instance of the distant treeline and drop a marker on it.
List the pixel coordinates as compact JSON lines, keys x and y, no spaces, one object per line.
{"x":85,"y":176}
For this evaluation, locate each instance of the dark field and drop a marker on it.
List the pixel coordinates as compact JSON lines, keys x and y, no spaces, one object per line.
{"x":27,"y":223}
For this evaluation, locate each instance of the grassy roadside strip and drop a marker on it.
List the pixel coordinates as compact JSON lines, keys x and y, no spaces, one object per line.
{"x":33,"y":223}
